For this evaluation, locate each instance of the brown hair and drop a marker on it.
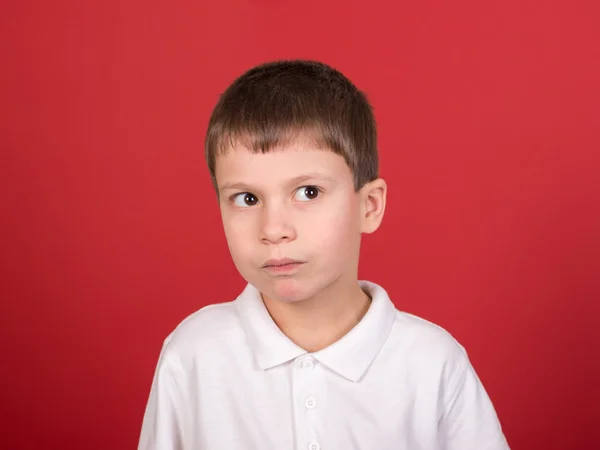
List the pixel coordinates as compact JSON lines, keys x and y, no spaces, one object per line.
{"x":275,"y":103}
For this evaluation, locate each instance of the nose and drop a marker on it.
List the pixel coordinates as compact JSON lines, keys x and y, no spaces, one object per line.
{"x":276,"y":225}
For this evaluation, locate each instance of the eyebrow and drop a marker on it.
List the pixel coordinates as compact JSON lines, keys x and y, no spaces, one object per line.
{"x":296,"y":180}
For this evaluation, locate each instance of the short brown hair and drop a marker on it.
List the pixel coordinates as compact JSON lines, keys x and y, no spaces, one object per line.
{"x":274,"y":103}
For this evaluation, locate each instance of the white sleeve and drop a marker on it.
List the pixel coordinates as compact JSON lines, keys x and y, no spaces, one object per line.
{"x":469,"y":421}
{"x":162,"y":422}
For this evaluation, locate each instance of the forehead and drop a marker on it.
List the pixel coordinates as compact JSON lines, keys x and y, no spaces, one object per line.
{"x":239,"y":164}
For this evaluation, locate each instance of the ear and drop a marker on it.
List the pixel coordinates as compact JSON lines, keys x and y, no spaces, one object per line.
{"x":372,"y":199}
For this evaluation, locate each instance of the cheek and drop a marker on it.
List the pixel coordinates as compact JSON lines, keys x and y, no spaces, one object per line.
{"x":238,"y":234}
{"x":338,"y":229}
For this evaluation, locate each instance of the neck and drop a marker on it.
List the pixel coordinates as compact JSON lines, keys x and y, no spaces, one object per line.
{"x":319,"y":321}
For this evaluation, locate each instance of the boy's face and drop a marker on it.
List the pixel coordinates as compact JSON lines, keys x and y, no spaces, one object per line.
{"x":292,"y":218}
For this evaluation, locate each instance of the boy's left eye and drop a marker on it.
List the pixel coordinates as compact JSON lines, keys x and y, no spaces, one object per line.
{"x":306,"y":193}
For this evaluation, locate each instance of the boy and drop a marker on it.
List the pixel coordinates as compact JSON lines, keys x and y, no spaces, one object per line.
{"x":307,"y":357}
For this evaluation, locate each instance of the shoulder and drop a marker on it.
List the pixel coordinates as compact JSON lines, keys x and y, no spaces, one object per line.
{"x":419,"y":331}
{"x":205,"y":331}
{"x":413,"y":342}
{"x":440,"y":364}
{"x":426,"y":346}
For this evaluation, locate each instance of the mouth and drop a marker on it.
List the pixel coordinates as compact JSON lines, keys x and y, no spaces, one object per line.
{"x":281,"y":266}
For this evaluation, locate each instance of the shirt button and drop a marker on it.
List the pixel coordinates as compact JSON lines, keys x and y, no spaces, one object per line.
{"x":308,"y":364}
{"x":314,"y":445}
{"x":310,"y":402}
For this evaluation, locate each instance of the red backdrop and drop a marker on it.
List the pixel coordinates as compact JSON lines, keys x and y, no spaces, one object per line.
{"x":490,"y":142}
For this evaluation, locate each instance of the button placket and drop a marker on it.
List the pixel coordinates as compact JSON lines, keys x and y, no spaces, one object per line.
{"x":314,"y":445}
{"x":308,"y":364}
{"x":306,"y":389}
{"x":310,"y":402}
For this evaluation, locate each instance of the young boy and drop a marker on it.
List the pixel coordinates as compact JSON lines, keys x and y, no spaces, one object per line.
{"x":307,"y":357}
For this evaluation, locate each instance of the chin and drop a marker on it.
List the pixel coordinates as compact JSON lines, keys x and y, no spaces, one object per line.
{"x":286,"y":289}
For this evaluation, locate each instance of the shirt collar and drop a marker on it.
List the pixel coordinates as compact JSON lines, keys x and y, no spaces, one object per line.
{"x":271,"y":347}
{"x":350,"y":357}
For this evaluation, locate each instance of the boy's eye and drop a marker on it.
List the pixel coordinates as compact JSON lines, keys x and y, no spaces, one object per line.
{"x":306,"y":193}
{"x":245,"y":199}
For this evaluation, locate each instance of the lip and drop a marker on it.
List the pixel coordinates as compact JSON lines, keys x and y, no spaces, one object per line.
{"x":282,"y":266}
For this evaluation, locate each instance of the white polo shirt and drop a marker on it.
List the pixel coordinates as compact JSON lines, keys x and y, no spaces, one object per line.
{"x":229,"y":379}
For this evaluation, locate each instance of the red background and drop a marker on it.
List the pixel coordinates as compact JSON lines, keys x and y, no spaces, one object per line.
{"x":490,"y":140}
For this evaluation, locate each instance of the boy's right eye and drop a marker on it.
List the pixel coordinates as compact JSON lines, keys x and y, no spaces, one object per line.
{"x":245,"y":199}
